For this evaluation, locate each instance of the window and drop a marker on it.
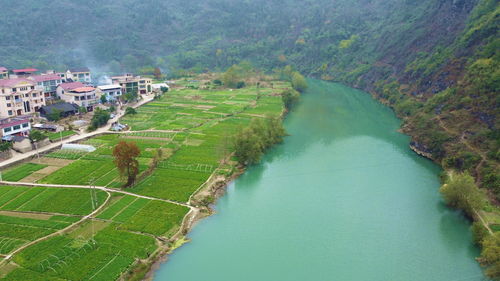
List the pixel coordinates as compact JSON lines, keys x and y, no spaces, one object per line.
{"x":7,"y":98}
{"x":9,"y":105}
{"x":34,"y":95}
{"x":25,"y":125}
{"x":14,"y":89}
{"x":6,"y":130}
{"x":17,"y":127}
{"x":32,"y":87}
{"x":27,"y":95}
{"x":10,"y":112}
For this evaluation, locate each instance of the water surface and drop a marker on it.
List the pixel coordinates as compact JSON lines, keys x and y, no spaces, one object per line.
{"x":343,"y":198}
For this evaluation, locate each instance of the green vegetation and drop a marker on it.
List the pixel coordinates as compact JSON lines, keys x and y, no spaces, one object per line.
{"x":57,"y":136}
{"x":130,"y":110}
{"x":461,"y":192}
{"x":99,"y":119}
{"x":251,"y":142}
{"x":19,"y":172}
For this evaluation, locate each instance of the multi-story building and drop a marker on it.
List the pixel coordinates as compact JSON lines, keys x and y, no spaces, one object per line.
{"x":133,"y":84}
{"x":15,"y":126}
{"x":78,"y":93}
{"x":112,"y":92}
{"x":19,"y":96}
{"x":48,"y":83}
{"x":4,"y":73}
{"x":79,"y":75}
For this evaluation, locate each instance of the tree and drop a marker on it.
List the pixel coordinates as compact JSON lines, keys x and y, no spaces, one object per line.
{"x":103,"y":99}
{"x":299,"y":83}
{"x":55,"y":115}
{"x":157,"y":73}
{"x":99,"y":119}
{"x":461,"y":192}
{"x":36,"y":135}
{"x":290,"y":97}
{"x":125,"y":154}
{"x":232,"y":76}
{"x":130,"y":110}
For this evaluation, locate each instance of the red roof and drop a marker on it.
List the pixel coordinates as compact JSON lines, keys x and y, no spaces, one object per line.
{"x":25,"y":70}
{"x":71,"y":86}
{"x":14,"y":81}
{"x":3,"y":68}
{"x":83,"y":89}
{"x":46,"y":77}
{"x":9,"y":122}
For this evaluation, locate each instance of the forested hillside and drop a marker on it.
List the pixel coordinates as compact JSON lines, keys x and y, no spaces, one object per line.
{"x":436,"y":62}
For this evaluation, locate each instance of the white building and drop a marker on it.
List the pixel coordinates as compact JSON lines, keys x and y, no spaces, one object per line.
{"x":112,"y":92}
{"x":48,"y":82}
{"x":79,"y":75}
{"x":17,"y":126}
{"x":78,"y":93}
{"x":20,"y":96}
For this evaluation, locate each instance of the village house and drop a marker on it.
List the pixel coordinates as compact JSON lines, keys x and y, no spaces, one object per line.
{"x":79,"y":75}
{"x":4,"y":73}
{"x":78,"y":93}
{"x":15,"y":126}
{"x":63,"y":109}
{"x":48,"y":83}
{"x":24,"y":73}
{"x":112,"y":92}
{"x":134,"y":84}
{"x":19,"y":96}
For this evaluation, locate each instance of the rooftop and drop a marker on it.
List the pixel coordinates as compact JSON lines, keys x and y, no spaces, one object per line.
{"x":72,"y":85}
{"x":3,"y":68}
{"x":83,"y":89}
{"x":46,"y":77}
{"x":79,"y":69}
{"x":25,"y":70}
{"x":12,"y":121}
{"x":13,"y":82}
{"x":62,"y":106}
{"x":109,"y":87}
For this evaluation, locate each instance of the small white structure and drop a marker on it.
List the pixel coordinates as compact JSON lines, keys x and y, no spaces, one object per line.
{"x":158,"y":86}
{"x":78,"y":147}
{"x":112,"y":92}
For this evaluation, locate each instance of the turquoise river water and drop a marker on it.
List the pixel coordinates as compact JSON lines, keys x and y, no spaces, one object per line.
{"x":343,"y":198}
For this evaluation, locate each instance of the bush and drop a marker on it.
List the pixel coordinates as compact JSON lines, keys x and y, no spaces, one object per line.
{"x":240,"y":85}
{"x":252,"y":141}
{"x":290,"y":97}
{"x":36,"y":135}
{"x":130,"y":110}
{"x":100,"y":118}
{"x":217,"y":82}
{"x":299,"y":83}
{"x":461,"y":192}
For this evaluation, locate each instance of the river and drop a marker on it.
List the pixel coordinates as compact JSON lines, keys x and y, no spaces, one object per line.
{"x":343,"y":198}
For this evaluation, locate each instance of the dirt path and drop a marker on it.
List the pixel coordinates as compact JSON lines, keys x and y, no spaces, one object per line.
{"x":464,"y":141}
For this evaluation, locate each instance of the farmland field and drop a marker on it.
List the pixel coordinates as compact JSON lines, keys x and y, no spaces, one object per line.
{"x":190,"y":129}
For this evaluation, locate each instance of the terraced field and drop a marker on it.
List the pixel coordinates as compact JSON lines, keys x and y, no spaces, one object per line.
{"x":191,"y":128}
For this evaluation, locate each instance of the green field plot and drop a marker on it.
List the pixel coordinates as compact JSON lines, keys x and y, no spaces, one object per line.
{"x":57,"y":136}
{"x":104,"y":257}
{"x":75,"y":201}
{"x":16,"y":231}
{"x":80,"y":172}
{"x":156,"y":218}
{"x":173,"y":184}
{"x":19,"y":172}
